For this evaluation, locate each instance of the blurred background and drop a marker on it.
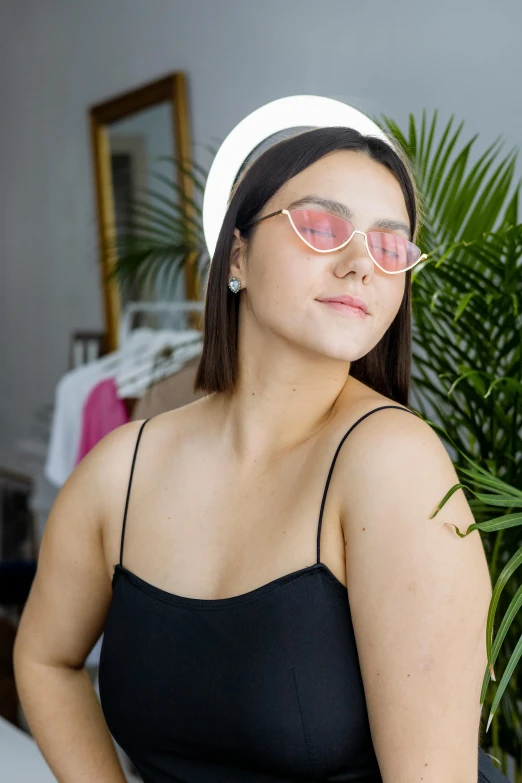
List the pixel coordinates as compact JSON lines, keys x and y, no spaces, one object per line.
{"x":111,"y":113}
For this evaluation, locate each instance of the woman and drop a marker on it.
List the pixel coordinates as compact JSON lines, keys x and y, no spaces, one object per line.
{"x":272,"y":619}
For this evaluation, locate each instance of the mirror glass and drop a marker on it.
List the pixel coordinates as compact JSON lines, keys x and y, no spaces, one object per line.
{"x":138,"y":146}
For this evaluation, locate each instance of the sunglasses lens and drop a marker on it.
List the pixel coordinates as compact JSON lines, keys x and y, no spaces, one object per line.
{"x":324,"y":231}
{"x":393,"y":253}
{"x":320,"y":229}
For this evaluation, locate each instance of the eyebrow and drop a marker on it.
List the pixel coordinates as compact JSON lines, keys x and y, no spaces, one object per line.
{"x":342,"y":211}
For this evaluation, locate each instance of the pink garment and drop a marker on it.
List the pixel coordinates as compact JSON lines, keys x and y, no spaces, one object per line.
{"x":103,"y":412}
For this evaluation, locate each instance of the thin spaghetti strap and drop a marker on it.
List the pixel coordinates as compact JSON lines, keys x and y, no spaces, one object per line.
{"x":333,"y":465}
{"x":129,"y":491}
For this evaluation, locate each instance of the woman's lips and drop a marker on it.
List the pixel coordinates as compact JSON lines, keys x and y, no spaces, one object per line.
{"x":344,"y":308}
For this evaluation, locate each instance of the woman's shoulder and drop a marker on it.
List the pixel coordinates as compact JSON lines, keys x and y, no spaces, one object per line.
{"x":378,"y":412}
{"x":384,"y":418}
{"x":170,"y":428}
{"x":392,"y":449}
{"x":385,"y":435}
{"x":113,"y":455}
{"x":135,"y":453}
{"x":162,"y":427}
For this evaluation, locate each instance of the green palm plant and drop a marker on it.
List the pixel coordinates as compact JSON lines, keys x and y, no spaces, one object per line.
{"x":467,"y":369}
{"x":466,"y":290}
{"x":470,"y":331}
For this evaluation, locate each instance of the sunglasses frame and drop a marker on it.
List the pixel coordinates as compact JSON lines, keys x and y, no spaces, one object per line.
{"x":287,"y":212}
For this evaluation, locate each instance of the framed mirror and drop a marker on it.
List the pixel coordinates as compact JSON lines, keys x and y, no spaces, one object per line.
{"x":130,"y":134}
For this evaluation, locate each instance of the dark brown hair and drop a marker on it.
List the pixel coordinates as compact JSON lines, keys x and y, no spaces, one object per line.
{"x":387,"y":367}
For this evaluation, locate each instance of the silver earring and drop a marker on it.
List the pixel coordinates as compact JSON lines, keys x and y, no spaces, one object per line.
{"x":234,"y":284}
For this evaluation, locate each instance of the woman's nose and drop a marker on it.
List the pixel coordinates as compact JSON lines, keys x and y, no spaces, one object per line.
{"x":358,"y":240}
{"x":354,"y":256}
{"x":356,"y":247}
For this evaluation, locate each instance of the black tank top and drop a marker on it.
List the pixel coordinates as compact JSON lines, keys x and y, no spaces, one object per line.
{"x":262,"y":687}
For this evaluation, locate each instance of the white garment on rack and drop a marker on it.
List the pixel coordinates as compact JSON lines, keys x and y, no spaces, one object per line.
{"x":133,"y":369}
{"x":134,"y":366}
{"x":71,"y":393}
{"x":179,"y":347}
{"x":168,"y":309}
{"x":169,"y":351}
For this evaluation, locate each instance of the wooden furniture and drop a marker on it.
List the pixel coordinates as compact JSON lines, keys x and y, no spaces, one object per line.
{"x":17,"y":534}
{"x":86,"y":347}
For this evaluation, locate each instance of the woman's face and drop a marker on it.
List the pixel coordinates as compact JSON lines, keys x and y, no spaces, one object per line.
{"x":284,"y":280}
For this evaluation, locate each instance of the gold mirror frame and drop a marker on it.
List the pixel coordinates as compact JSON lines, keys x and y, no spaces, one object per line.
{"x":170,"y":89}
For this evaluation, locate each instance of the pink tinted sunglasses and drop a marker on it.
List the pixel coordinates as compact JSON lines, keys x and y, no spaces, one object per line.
{"x":324,"y":233}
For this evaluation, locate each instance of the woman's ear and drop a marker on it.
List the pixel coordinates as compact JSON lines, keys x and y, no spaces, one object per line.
{"x":237,"y":257}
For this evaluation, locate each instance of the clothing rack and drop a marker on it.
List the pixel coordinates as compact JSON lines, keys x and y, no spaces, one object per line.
{"x":170,"y":308}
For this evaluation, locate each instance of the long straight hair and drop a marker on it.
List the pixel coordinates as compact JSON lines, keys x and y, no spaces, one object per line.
{"x":387,"y":367}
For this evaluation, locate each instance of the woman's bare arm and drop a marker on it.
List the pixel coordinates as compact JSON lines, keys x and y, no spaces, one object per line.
{"x":419,"y":597}
{"x":65,"y":615}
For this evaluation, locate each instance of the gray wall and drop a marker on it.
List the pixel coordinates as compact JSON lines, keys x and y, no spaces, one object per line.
{"x":59,"y":56}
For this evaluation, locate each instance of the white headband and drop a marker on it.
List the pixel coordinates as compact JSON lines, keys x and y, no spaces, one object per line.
{"x":293,"y":112}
